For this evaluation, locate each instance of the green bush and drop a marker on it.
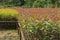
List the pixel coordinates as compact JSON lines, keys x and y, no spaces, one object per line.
{"x":8,"y":14}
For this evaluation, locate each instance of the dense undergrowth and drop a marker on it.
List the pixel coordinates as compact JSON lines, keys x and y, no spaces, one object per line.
{"x":40,"y":28}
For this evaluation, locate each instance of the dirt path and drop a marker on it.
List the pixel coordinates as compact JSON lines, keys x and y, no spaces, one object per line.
{"x":9,"y":35}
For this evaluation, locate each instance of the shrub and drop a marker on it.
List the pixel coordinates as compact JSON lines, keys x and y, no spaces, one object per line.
{"x":8,"y":14}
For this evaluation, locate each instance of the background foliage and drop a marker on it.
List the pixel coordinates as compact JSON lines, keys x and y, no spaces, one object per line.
{"x":30,"y":3}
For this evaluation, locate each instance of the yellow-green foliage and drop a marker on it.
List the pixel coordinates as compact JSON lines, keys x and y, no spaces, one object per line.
{"x":8,"y":14}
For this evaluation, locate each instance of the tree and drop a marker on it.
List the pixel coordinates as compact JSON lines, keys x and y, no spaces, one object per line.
{"x":39,"y":3}
{"x":54,"y":3}
{"x":31,"y":3}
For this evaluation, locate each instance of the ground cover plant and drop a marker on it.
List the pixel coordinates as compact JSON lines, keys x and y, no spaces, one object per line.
{"x":40,"y":27}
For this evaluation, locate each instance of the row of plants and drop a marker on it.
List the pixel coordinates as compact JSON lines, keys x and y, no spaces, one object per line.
{"x":8,"y":14}
{"x":42,"y":28}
